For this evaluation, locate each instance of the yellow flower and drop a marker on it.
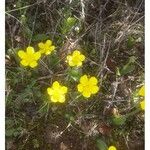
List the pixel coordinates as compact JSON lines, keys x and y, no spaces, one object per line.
{"x":142,"y":104}
{"x":112,"y":148}
{"x":46,"y":48}
{"x":57,"y":92}
{"x":88,"y":86}
{"x":30,"y":57}
{"x":142,"y":91}
{"x":75,"y":59}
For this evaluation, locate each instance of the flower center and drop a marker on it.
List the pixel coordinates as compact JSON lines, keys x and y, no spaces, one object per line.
{"x":87,"y":87}
{"x":30,"y":58}
{"x":75,"y":59}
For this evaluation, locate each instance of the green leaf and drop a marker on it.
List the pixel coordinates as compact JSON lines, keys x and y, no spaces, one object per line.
{"x":71,"y":21}
{"x":54,"y":60}
{"x":132,"y":59}
{"x":130,"y":42}
{"x":23,"y":19}
{"x":9,"y":132}
{"x":101,"y":145}
{"x":68,"y":24}
{"x":129,"y":67}
{"x":40,"y":37}
{"x":74,"y":73}
{"x":118,"y":120}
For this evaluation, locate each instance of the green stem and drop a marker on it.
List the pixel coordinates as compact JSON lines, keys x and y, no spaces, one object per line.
{"x":133,"y":113}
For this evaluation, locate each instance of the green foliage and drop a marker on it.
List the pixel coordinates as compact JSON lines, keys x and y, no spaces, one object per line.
{"x":27,"y":31}
{"x":68,"y":24}
{"x":130,"y":42}
{"x":13,"y":128}
{"x":101,"y":145}
{"x":61,"y":22}
{"x":54,"y":60}
{"x":118,"y":120}
{"x":40,"y":37}
{"x":129,"y":67}
{"x":74,"y":74}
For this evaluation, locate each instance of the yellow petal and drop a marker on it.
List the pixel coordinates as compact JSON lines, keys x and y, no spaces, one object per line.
{"x":48,"y":42}
{"x":41,"y":45}
{"x":142,"y":91}
{"x":33,"y":64}
{"x":112,"y":148}
{"x":64,"y":89}
{"x":79,"y":64}
{"x":76,"y":53}
{"x":42,"y":51}
{"x":48,"y":52}
{"x":52,"y":48}
{"x":37,"y":55}
{"x":50,"y":91}
{"x":93,"y":81}
{"x":142,"y":105}
{"x":94,"y":89}
{"x":24,"y":63}
{"x":69,"y":57}
{"x":82,"y":57}
{"x":21,"y":54}
{"x":84,"y":79}
{"x":56,"y":85}
{"x":71,"y":63}
{"x":80,"y":87}
{"x":86,"y":94}
{"x":53,"y":99}
{"x":30,"y":50}
{"x":62,"y":99}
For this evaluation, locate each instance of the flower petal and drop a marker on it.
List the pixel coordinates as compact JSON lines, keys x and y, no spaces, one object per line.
{"x":48,"y":52}
{"x":69,"y":57}
{"x":84,"y":79}
{"x":37,"y":55}
{"x":94,"y":89}
{"x":48,"y":42}
{"x":50,"y":91}
{"x":76,"y":53}
{"x":62,"y":99}
{"x":24,"y":63}
{"x":142,"y":91}
{"x":52,"y":48}
{"x":30,"y":50}
{"x":53,"y":99}
{"x":71,"y":63}
{"x":56,"y":85}
{"x":41,"y":45}
{"x":82,"y":57}
{"x":64,"y":89}
{"x":86,"y":94}
{"x":79,"y":64}
{"x":142,"y":104}
{"x":33,"y":64}
{"x":80,"y":87}
{"x":112,"y":148}
{"x":42,"y":51}
{"x":21,"y":54}
{"x":93,"y":81}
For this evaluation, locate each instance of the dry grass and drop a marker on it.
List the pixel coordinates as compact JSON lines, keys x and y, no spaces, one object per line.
{"x":110,"y":33}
